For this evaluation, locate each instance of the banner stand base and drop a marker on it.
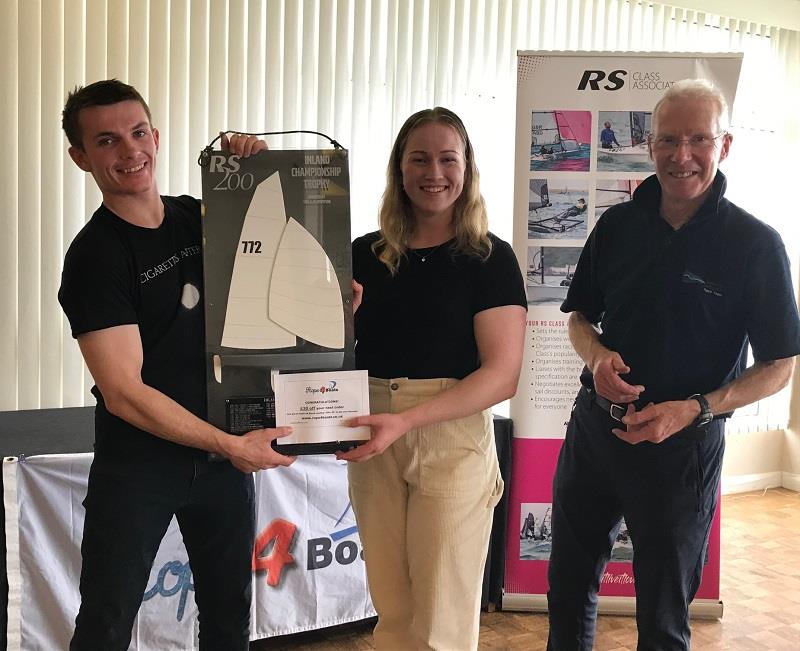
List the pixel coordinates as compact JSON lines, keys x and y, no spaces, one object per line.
{"x":537,"y":603}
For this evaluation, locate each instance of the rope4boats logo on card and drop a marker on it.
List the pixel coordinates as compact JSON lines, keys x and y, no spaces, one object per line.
{"x":330,"y":388}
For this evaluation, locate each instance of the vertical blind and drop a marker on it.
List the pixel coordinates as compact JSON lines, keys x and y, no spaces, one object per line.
{"x":354,"y":69}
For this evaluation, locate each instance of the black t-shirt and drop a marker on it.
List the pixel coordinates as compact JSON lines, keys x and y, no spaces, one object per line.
{"x":419,"y":323}
{"x":115,"y":274}
{"x":679,"y":306}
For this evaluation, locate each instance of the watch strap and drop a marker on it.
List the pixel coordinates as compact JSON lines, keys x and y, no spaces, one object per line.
{"x":706,"y":415}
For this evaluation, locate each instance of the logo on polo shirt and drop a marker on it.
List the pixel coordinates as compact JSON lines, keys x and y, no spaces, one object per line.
{"x":691,"y":278}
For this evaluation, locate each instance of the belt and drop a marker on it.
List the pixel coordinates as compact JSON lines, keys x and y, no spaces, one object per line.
{"x":618,"y":410}
{"x":613,"y":409}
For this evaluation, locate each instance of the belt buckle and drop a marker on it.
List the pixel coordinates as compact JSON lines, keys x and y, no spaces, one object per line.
{"x":622,"y":411}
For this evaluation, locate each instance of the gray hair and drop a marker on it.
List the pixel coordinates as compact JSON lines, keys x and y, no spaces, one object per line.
{"x":701,"y":89}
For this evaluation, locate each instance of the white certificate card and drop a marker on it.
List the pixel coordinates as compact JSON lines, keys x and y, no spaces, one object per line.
{"x":316,"y":405}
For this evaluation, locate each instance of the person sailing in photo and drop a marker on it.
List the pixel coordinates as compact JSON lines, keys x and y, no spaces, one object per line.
{"x":573,"y":211}
{"x":608,"y":140}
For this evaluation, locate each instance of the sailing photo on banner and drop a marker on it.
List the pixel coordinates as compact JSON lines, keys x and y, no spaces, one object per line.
{"x":535,"y":533}
{"x":558,"y":209}
{"x":561,"y":140}
{"x":622,"y":551}
{"x":549,"y":272}
{"x":610,"y":192}
{"x":622,"y":141}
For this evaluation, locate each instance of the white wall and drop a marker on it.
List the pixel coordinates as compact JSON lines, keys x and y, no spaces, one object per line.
{"x":791,"y":450}
{"x":753,"y":461}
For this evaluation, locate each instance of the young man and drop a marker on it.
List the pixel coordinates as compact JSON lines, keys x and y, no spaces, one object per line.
{"x":132,"y":290}
{"x":679,"y":280}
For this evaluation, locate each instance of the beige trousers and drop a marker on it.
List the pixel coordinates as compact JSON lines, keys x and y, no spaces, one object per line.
{"x":424,"y":512}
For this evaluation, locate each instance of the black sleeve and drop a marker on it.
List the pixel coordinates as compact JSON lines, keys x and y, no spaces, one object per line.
{"x":772,"y":322}
{"x":584,"y":294}
{"x":499,"y":281}
{"x":186,"y":206}
{"x":97,"y":285}
{"x":359,"y":252}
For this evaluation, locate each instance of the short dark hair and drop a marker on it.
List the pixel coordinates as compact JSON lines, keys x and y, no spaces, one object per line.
{"x":100,"y":93}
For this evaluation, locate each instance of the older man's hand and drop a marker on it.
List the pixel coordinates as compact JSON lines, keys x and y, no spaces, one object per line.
{"x":657,"y":422}
{"x":606,"y":372}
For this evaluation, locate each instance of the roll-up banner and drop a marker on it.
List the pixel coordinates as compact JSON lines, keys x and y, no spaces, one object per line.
{"x":581,"y":147}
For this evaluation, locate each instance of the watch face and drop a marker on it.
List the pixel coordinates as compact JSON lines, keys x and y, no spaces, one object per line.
{"x":704,"y":418}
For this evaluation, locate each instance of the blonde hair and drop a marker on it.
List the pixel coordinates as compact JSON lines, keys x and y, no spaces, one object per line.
{"x":701,"y":89}
{"x":470,"y":220}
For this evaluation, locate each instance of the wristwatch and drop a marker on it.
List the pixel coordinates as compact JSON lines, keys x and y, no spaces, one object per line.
{"x":706,"y":415}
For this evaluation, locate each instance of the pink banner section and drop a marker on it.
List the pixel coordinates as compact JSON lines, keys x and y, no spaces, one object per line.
{"x":529,"y":530}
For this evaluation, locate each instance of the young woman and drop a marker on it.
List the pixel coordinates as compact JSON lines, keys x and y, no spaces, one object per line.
{"x":440,"y":329}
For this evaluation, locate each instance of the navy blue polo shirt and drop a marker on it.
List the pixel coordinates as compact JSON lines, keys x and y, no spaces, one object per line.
{"x":679,"y":306}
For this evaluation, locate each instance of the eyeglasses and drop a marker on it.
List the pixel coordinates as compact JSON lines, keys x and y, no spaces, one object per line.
{"x":700,"y":142}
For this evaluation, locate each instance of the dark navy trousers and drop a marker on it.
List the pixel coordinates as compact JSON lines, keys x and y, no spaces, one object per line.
{"x":666,"y":492}
{"x":128,"y":509}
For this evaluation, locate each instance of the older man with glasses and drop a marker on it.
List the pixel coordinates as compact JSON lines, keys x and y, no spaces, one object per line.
{"x":669,"y":290}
